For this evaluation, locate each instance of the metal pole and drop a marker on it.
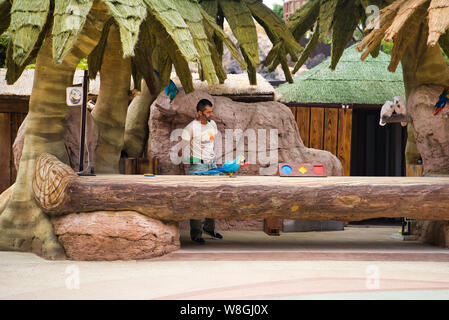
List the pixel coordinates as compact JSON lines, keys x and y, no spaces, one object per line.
{"x":83,"y":120}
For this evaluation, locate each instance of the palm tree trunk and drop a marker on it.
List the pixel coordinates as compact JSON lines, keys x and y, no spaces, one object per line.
{"x":424,"y":66}
{"x":136,"y":128}
{"x":112,"y":104}
{"x":23,"y":225}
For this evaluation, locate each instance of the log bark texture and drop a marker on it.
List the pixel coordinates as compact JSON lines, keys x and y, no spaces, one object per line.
{"x":177,"y":198}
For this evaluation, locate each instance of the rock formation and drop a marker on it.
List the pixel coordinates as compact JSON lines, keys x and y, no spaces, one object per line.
{"x":431,"y":132}
{"x":257,"y":121}
{"x":115,"y":235}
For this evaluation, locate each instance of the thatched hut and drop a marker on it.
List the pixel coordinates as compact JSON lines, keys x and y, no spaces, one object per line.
{"x":339,"y":111}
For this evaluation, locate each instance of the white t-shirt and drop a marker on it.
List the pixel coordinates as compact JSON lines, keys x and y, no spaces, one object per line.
{"x":201,"y":138}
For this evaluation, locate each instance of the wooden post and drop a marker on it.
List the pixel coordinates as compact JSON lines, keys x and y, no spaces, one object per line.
{"x":145,"y":165}
{"x":83,"y":120}
{"x":156,"y":165}
{"x":272,"y":226}
{"x":414,"y":170}
{"x":130,"y":165}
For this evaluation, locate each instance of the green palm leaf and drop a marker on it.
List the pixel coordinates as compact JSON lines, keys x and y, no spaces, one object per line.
{"x":69,"y":19}
{"x":165,"y":12}
{"x":128,"y":14}
{"x":326,"y":16}
{"x":345,"y":21}
{"x":14,"y":70}
{"x":95,"y":58}
{"x":5,"y":18}
{"x":241,"y":22}
{"x":311,"y":45}
{"x":304,"y":18}
{"x":272,"y":23}
{"x":168,"y":53}
{"x":28,"y":18}
{"x":222,"y":36}
{"x":189,"y":10}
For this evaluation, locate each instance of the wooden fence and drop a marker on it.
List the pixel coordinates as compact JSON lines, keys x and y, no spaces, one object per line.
{"x":326,"y":128}
{"x":10,"y":120}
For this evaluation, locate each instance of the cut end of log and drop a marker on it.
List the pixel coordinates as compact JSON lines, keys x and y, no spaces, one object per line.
{"x":50,"y":180}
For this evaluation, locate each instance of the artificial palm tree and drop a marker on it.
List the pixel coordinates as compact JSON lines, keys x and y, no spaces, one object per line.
{"x":120,"y":38}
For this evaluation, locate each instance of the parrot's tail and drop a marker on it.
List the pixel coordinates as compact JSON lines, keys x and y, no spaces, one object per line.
{"x":437,"y":111}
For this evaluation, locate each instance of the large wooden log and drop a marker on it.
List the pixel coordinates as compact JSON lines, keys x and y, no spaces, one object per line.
{"x":58,"y":190}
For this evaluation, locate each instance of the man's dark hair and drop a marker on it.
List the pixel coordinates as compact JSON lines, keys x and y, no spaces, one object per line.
{"x":202,"y":104}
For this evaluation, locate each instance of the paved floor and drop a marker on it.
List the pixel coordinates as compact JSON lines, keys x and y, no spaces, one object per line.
{"x":357,"y":263}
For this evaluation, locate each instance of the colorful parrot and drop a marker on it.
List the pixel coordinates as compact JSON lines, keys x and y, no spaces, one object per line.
{"x":442,"y":100}
{"x":171,"y":90}
{"x":229,"y":167}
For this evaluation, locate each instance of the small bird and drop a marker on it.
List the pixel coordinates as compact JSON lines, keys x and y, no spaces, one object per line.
{"x":387,"y":111}
{"x":171,"y":90}
{"x":399,"y":108}
{"x":229,"y":167}
{"x":442,"y":100}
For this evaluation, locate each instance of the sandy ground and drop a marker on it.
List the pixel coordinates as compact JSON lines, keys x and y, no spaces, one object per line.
{"x":357,"y":263}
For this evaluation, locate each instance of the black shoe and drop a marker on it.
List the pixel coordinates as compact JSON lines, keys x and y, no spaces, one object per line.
{"x":199,"y":240}
{"x":213,"y":234}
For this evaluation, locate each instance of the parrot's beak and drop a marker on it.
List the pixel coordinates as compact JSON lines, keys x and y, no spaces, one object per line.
{"x":244,"y":164}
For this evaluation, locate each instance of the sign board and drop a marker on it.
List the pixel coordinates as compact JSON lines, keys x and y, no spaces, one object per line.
{"x":74,"y":96}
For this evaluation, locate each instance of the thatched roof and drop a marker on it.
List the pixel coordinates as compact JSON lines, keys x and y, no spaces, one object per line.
{"x":235,"y":84}
{"x":352,"y":82}
{"x":24,"y":85}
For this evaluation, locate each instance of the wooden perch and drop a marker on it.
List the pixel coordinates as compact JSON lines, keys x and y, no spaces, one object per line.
{"x":395,"y":118}
{"x":58,"y":190}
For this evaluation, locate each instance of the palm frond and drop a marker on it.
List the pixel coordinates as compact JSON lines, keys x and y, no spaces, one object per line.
{"x":272,"y":23}
{"x":304,"y":18}
{"x":95,"y":58}
{"x":241,"y":22}
{"x":438,"y":20}
{"x":14,"y":70}
{"x":168,"y":53}
{"x":326,"y":17}
{"x":191,"y":13}
{"x":128,"y":14}
{"x":69,"y":18}
{"x":165,"y":12}
{"x":406,"y":35}
{"x":345,"y":21}
{"x":311,"y":45}
{"x":5,"y":17}
{"x":143,"y":57}
{"x":28,"y":18}
{"x":220,"y":34}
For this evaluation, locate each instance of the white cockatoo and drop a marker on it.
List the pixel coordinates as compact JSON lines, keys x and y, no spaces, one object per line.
{"x":399,"y":108}
{"x":387,"y":111}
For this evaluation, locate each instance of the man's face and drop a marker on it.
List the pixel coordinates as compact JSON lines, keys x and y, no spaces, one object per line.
{"x":207,"y":113}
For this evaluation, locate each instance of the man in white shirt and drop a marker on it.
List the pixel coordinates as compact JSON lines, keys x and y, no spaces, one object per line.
{"x":200,"y":134}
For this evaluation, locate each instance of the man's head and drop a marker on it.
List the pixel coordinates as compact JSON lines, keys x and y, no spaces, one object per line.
{"x":204,"y":109}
